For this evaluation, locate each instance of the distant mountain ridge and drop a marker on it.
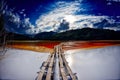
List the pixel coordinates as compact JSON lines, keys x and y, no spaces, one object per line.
{"x":88,"y":34}
{"x":78,"y":34}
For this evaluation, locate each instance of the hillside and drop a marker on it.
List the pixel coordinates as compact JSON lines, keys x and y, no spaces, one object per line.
{"x":79,"y":34}
{"x":88,"y":34}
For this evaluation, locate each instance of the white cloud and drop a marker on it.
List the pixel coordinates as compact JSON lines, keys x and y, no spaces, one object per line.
{"x":14,"y":23}
{"x":51,"y":20}
{"x":112,"y":28}
{"x":63,"y":10}
{"x":56,"y":15}
{"x":86,"y":21}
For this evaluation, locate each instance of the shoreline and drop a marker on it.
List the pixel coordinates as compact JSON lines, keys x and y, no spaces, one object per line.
{"x":48,"y":46}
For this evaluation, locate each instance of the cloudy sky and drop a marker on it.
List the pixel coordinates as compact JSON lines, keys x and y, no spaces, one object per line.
{"x":35,"y":16}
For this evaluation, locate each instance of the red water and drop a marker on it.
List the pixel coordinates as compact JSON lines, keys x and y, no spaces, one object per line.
{"x":48,"y":44}
{"x":65,"y":45}
{"x":80,"y":45}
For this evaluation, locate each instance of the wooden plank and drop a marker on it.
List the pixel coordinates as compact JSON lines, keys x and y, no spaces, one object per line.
{"x":49,"y":72}
{"x":68,"y":68}
{"x":62,"y":70}
{"x":42,"y":71}
{"x":64,"y":76}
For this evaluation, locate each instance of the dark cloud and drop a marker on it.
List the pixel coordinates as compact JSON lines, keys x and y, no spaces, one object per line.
{"x":64,"y":25}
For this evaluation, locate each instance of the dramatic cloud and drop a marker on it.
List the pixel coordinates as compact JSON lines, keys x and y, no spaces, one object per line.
{"x":69,"y":12}
{"x":13,"y":23}
{"x":64,"y":25}
{"x":52,"y":19}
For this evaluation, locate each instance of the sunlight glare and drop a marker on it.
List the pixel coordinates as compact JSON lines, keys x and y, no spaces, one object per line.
{"x":69,"y":58}
{"x":70,"y":18}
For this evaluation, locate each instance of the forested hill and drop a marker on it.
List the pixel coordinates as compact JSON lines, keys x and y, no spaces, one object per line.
{"x":88,"y":34}
{"x":79,"y":34}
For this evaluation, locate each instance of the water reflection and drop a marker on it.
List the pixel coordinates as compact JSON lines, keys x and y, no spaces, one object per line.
{"x":69,"y":59}
{"x":21,"y":64}
{"x":95,"y":64}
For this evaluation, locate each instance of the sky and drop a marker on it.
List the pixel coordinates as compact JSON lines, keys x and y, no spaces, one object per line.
{"x":36,"y":16}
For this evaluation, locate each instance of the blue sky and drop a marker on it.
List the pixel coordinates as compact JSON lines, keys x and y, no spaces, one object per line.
{"x":42,"y":15}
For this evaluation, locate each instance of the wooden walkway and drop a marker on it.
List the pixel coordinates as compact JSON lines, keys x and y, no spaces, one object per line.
{"x":56,"y":67}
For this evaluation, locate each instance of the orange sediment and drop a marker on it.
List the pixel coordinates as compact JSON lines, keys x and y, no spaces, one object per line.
{"x":88,"y":45}
{"x":48,"y":46}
